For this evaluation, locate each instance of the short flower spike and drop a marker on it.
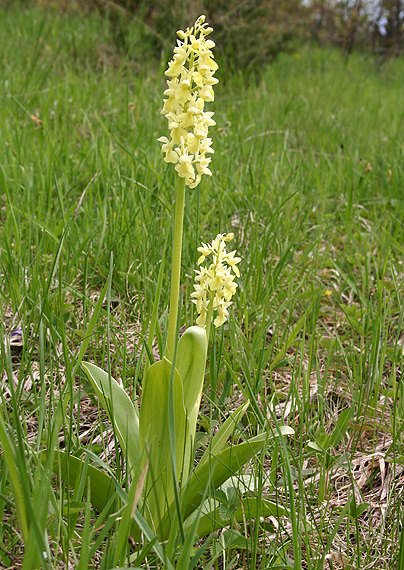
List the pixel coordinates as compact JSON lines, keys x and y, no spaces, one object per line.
{"x":215,"y":284}
{"x":190,"y":85}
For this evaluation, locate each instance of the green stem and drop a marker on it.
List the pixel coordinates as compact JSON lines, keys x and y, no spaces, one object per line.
{"x":209,"y":318}
{"x":176,"y":267}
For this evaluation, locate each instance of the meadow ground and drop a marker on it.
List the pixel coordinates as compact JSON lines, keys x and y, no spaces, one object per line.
{"x":308,"y":173}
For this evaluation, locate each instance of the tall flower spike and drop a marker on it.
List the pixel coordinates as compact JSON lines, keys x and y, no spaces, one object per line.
{"x":215,"y":284}
{"x":190,"y":85}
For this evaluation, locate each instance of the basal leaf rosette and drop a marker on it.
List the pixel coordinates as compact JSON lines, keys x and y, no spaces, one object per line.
{"x":190,"y":86}
{"x":215,"y":285}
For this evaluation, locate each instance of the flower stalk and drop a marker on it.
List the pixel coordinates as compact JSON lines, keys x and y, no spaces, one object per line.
{"x":176,"y":267}
{"x":209,"y":318}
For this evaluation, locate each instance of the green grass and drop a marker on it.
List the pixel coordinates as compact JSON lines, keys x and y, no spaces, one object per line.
{"x":308,"y":173}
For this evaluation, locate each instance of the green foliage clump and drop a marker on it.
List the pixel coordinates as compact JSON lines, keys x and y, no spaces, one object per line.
{"x":251,"y":33}
{"x":246,"y":33}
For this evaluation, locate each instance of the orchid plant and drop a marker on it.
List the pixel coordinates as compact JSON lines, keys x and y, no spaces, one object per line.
{"x":158,"y":440}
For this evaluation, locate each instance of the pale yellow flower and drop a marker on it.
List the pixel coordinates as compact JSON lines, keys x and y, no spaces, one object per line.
{"x":184,"y":167}
{"x":215,"y":284}
{"x":171,"y":155}
{"x":223,"y":313}
{"x":190,"y":85}
{"x":231,"y":260}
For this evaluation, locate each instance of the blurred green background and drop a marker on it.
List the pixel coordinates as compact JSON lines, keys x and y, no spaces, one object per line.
{"x":251,"y":32}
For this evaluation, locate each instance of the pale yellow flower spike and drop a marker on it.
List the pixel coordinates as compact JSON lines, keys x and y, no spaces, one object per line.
{"x":215,"y":284}
{"x":190,"y":85}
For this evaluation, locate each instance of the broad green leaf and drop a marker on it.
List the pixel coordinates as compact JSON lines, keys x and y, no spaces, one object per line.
{"x":356,"y":510}
{"x":101,"y":485}
{"x":224,"y":465}
{"x":219,"y":468}
{"x":216,"y":471}
{"x":126,"y":523}
{"x":213,"y":473}
{"x":190,"y":363}
{"x":246,"y":483}
{"x":72,"y":507}
{"x":221,"y":437}
{"x":231,"y":539}
{"x":284,"y":430}
{"x":315,"y":447}
{"x":246,"y":508}
{"x":155,"y":437}
{"x":120,"y":409}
